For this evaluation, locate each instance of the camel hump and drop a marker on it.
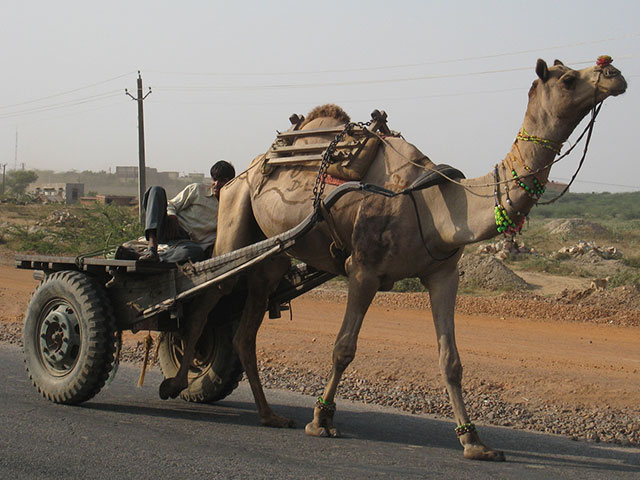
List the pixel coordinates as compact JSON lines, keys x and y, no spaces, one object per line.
{"x":328,"y":110}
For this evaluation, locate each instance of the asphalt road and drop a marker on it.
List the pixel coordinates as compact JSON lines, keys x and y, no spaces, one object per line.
{"x":128,"y":432}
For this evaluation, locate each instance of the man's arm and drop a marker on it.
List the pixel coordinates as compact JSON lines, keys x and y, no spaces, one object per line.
{"x":182,"y":200}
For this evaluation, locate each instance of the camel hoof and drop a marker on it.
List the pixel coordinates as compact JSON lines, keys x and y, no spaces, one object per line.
{"x":480,"y":452}
{"x":169,"y":390}
{"x":276,"y":421}
{"x":315,"y":431}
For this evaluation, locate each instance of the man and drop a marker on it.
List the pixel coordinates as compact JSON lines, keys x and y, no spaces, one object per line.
{"x":188,"y":222}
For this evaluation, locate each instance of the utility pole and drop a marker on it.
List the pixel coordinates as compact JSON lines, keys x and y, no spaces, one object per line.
{"x":4,"y":176}
{"x":15,"y":158}
{"x":141,"y":158}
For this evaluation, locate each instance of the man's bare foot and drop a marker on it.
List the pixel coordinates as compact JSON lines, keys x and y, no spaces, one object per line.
{"x":149,"y":255}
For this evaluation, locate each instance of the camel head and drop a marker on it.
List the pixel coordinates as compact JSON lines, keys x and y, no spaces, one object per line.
{"x":560,"y":97}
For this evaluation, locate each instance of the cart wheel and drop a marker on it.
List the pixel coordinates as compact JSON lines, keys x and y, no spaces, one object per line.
{"x":69,"y":337}
{"x":215,"y":370}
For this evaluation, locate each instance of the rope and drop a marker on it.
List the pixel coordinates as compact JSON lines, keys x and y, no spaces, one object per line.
{"x":469,"y":187}
{"x":602,"y":61}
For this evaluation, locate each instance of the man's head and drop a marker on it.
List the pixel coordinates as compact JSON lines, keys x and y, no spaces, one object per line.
{"x":221,"y":173}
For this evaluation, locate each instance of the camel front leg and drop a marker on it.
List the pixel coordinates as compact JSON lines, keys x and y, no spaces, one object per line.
{"x":196,"y":315}
{"x":443,"y":288}
{"x":362,"y":288}
{"x":261,"y":282}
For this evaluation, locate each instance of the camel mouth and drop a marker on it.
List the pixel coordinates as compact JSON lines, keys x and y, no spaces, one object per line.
{"x":614,"y":92}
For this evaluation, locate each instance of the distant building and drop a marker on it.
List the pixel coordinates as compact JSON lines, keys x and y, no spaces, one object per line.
{"x":125,"y":173}
{"x":57,"y":192}
{"x":123,"y":200}
{"x":154,"y":177}
{"x":195,"y":177}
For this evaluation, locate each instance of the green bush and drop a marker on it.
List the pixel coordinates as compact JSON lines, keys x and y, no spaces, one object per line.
{"x":555,"y":265}
{"x":624,"y":277}
{"x":97,"y":228}
{"x":625,"y":206}
{"x":408,"y":285}
{"x":633,"y":262}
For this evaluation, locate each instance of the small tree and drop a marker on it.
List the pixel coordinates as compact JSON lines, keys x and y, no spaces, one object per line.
{"x":17,"y":180}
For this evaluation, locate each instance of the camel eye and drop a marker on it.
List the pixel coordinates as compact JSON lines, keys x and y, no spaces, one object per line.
{"x":568,"y":80}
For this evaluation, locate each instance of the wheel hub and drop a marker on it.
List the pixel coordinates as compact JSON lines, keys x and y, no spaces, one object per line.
{"x":60,"y":338}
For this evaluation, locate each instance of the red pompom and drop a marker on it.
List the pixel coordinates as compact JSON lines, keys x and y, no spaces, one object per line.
{"x":604,"y":60}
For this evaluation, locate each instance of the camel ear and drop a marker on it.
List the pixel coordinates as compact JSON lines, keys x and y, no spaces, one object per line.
{"x":557,"y":62}
{"x":542,"y":70}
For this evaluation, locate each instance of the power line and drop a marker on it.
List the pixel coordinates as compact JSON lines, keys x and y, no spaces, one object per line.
{"x":230,"y":88}
{"x":602,"y":183}
{"x":346,"y":101}
{"x":227,"y":88}
{"x":67,"y":92}
{"x":56,"y":106}
{"x":406,"y":65}
{"x":71,"y":114}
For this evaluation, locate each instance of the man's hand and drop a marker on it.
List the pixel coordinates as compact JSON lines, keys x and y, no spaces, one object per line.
{"x":173,"y":227}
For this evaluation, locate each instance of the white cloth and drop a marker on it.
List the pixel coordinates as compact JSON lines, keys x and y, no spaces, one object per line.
{"x":197,"y":210}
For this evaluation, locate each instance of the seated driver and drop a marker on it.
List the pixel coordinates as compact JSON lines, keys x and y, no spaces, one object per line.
{"x":188,"y":222}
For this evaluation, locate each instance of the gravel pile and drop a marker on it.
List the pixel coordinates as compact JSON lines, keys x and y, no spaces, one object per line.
{"x":618,"y":306}
{"x":595,"y":425}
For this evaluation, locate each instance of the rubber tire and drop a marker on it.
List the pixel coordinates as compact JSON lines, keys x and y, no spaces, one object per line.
{"x":212,"y":379}
{"x":97,"y":336}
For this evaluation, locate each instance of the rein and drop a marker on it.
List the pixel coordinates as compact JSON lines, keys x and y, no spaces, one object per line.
{"x":589,"y":131}
{"x":504,"y":223}
{"x":555,"y":147}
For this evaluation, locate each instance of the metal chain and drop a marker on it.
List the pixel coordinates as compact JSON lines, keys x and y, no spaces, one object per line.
{"x":327,"y":160}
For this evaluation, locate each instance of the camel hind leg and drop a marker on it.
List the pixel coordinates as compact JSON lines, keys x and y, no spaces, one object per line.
{"x":261,"y":282}
{"x":238,"y":228}
{"x":443,"y":287}
{"x":196,"y":317}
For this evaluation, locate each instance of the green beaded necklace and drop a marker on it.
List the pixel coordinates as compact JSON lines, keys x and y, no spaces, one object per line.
{"x":538,"y":189}
{"x":555,"y":147}
{"x":504,"y":224}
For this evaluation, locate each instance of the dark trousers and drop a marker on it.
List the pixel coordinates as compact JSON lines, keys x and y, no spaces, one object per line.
{"x":181,"y":248}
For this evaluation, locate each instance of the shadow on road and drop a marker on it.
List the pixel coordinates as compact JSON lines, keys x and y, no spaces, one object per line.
{"x":530,"y":449}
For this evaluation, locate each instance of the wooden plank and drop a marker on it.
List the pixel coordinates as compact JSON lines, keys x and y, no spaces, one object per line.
{"x":319,"y":131}
{"x":88,"y":264}
{"x":297,"y":159}
{"x":312,"y":147}
{"x":44,"y":258}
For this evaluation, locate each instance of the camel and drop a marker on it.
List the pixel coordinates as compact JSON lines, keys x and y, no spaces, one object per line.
{"x":421,"y":234}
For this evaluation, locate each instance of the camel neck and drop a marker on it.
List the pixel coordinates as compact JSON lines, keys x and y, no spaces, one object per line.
{"x":521,"y":178}
{"x":518,"y":182}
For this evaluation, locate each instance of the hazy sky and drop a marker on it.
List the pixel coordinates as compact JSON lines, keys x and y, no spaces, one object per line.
{"x":452,"y":76}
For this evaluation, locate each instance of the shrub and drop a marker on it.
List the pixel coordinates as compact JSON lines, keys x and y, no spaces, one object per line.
{"x":92,"y":229}
{"x":408,"y":285}
{"x":624,"y":277}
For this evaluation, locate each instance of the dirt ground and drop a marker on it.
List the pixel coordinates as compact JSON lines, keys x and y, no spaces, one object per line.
{"x":530,"y":362}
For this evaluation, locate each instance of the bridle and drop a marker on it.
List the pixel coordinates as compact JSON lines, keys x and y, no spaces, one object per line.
{"x":603,"y":62}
